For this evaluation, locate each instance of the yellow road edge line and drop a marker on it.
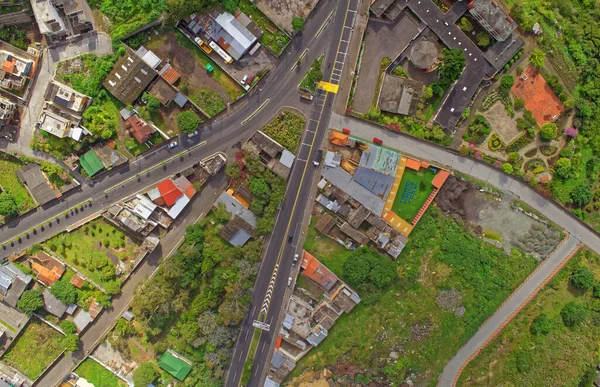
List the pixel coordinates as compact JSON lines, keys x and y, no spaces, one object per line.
{"x":251,"y":116}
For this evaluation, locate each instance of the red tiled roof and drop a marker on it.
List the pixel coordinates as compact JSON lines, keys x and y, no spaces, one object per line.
{"x":184,"y":185}
{"x":316,"y":271}
{"x":139,"y":129}
{"x":170,"y":75}
{"x":169,"y":192}
{"x":440,"y":178}
{"x":538,"y":96}
{"x":8,"y":66}
{"x":413,"y":164}
{"x":77,"y":281}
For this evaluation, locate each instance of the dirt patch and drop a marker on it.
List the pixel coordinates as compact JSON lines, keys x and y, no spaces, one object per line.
{"x":502,"y":123}
{"x":449,"y":300}
{"x":502,"y":224}
{"x":281,"y":12}
{"x":420,"y":331}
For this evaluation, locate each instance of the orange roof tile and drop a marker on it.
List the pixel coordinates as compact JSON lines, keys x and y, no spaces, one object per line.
{"x":169,"y":192}
{"x":47,"y":276}
{"x":170,"y":75}
{"x":8,"y":66}
{"x":424,"y":164}
{"x":278,"y":344}
{"x":413,"y":164}
{"x":338,"y":138}
{"x":316,"y":271}
{"x":440,"y":178}
{"x":77,"y":281}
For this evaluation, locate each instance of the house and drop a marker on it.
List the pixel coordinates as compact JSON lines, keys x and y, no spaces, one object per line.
{"x":169,"y":74}
{"x":7,"y":111}
{"x":129,"y":77}
{"x":150,"y":58}
{"x":175,"y":364}
{"x":175,"y":193}
{"x":325,"y":224}
{"x":493,"y":18}
{"x":64,"y":97}
{"x":236,"y":208}
{"x":237,"y":231}
{"x":108,"y":155}
{"x":354,"y":234}
{"x":48,"y":268}
{"x":138,"y":128}
{"x":62,"y":19}
{"x":37,"y":183}
{"x":164,"y":92}
{"x":53,"y":305}
{"x":60,"y":124}
{"x":400,"y":95}
{"x":18,"y":67}
{"x":128,"y":315}
{"x":316,"y":271}
{"x":168,"y":192}
{"x":271,"y":153}
{"x":90,"y":163}
{"x":77,"y":280}
{"x":19,"y":281}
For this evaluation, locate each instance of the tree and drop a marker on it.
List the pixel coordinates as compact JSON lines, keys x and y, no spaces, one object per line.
{"x":542,"y":325}
{"x":233,"y":171}
{"x":357,"y":267}
{"x":582,"y":194}
{"x":68,"y":327}
{"x":507,"y":81}
{"x":519,"y":104}
{"x":260,"y":188}
{"x":383,"y":272}
{"x":548,"y":131}
{"x":30,"y":301}
{"x":507,"y":168}
{"x":297,"y":23}
{"x":514,"y":157}
{"x":583,"y":278}
{"x":229,"y":5}
{"x":64,"y":291}
{"x":562,"y":168}
{"x":144,"y":375}
{"x":573,"y":314}
{"x":466,"y":25}
{"x":466,"y":113}
{"x":483,"y":39}
{"x":188,"y":121}
{"x":428,"y":92}
{"x":537,"y":58}
{"x":8,"y":206}
{"x":452,"y":64}
{"x":70,"y":343}
{"x":152,"y":103}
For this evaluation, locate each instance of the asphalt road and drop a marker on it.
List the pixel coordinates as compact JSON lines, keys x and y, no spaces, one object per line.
{"x":281,"y":250}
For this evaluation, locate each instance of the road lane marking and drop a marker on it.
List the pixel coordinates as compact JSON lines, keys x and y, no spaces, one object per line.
{"x":299,"y":59}
{"x":324,"y":24}
{"x":251,"y":116}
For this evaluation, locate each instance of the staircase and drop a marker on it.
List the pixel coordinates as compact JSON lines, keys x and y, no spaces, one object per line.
{"x":425,"y":206}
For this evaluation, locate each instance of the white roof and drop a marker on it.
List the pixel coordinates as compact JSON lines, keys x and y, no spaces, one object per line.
{"x":236,"y":30}
{"x":82,"y":319}
{"x":76,"y":133}
{"x":287,"y":158}
{"x":151,"y":59}
{"x":144,"y":207}
{"x":179,"y":205}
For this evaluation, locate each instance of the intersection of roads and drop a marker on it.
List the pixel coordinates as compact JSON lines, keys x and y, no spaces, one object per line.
{"x":328,"y":30}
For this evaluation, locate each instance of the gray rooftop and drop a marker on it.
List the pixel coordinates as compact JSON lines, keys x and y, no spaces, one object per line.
{"x":342,"y":179}
{"x":493,"y":18}
{"x":53,"y":305}
{"x":400,"y":95}
{"x":375,"y":181}
{"x":32,"y":176}
{"x":234,"y":207}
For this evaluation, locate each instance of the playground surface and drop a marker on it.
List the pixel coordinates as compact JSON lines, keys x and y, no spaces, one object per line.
{"x":415,"y":188}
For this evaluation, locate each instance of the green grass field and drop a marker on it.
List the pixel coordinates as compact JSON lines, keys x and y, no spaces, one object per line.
{"x":422,"y":179}
{"x":35,"y":349}
{"x":10,"y":183}
{"x":96,"y":374}
{"x":518,"y":357}
{"x":440,"y":255}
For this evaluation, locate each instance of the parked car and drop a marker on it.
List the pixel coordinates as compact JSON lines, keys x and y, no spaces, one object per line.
{"x":346,"y":131}
{"x":377,"y":141}
{"x":172,"y":145}
{"x":290,"y":281}
{"x":194,"y":134}
{"x":295,"y":260}
{"x":245,"y":79}
{"x":318,"y":157}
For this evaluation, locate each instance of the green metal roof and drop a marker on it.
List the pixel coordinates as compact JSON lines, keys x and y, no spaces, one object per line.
{"x":174,"y":365}
{"x":91,"y":163}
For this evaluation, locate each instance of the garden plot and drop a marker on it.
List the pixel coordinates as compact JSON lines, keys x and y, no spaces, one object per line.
{"x":496,"y":218}
{"x":96,"y":374}
{"x":504,"y":125}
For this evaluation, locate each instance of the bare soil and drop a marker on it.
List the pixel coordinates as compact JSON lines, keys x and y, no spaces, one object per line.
{"x":502,"y":123}
{"x":281,"y":12}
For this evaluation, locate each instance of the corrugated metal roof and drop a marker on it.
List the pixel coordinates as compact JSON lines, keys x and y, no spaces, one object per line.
{"x":179,"y":205}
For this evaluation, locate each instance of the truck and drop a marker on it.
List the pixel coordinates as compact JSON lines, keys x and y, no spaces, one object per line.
{"x":221,"y":52}
{"x":205,"y":47}
{"x":306,"y":95}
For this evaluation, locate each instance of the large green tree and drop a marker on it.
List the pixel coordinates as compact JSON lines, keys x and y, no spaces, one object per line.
{"x":64,"y":291}
{"x":537,"y":58}
{"x":144,"y":374}
{"x":8,"y":206}
{"x":583,"y":278}
{"x":548,"y":131}
{"x":30,"y":301}
{"x":188,"y":121}
{"x":451,"y":66}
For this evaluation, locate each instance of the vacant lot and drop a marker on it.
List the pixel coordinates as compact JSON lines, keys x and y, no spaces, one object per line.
{"x":96,"y":374}
{"x":272,"y":38}
{"x":286,"y":129}
{"x":448,"y":284}
{"x":209,"y":100}
{"x":281,"y":12}
{"x":35,"y":349}
{"x":414,"y":191}
{"x":11,"y":185}
{"x":518,"y":357}
{"x":190,"y":62}
{"x":95,"y":248}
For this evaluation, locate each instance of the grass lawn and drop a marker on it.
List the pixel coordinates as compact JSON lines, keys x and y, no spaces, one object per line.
{"x":134,"y":147}
{"x":422,"y":179}
{"x":35,"y":349}
{"x":209,"y":100}
{"x":315,"y":74}
{"x":517,"y":357}
{"x":10,"y":184}
{"x":233,"y":90}
{"x":96,"y":374}
{"x":286,"y":129}
{"x":272,"y":38}
{"x":93,"y":248}
{"x":406,"y":318}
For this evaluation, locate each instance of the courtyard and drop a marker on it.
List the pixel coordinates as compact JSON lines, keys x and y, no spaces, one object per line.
{"x":414,"y":190}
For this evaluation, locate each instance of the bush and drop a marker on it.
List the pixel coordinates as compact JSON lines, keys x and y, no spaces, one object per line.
{"x":70,"y":342}
{"x":596,"y":292}
{"x":514,"y":157}
{"x":68,"y":327}
{"x":573,"y":314}
{"x":8,"y":206}
{"x":507,"y":168}
{"x":581,"y":194}
{"x":519,"y":104}
{"x":188,"y":121}
{"x":548,"y":132}
{"x":64,"y":291}
{"x":542,"y":325}
{"x":507,"y":82}
{"x":297,"y":23}
{"x":523,"y":361}
{"x":583,"y":278}
{"x":144,"y":374}
{"x":483,"y":39}
{"x":495,"y":143}
{"x":30,"y":301}
{"x":465,"y":24}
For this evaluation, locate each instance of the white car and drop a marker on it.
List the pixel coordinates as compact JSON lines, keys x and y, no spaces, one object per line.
{"x":295,"y":260}
{"x":172,"y":145}
{"x":290,"y":281}
{"x":245,"y":79}
{"x":193,"y":134}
